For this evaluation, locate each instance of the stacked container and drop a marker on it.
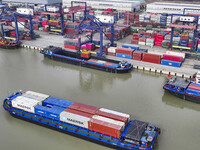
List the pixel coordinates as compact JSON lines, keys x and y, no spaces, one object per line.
{"x":163,"y":20}
{"x":171,"y":60}
{"x":137,"y":55}
{"x":198,"y":47}
{"x":184,"y":40}
{"x":150,"y":42}
{"x":124,"y":53}
{"x":159,"y":39}
{"x":134,"y":47}
{"x":152,"y":58}
{"x":135,"y":39}
{"x":112,"y":51}
{"x":142,"y":41}
{"x":71,"y":44}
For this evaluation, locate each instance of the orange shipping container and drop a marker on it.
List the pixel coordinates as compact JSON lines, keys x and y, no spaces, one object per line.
{"x":153,"y":58}
{"x":105,"y":128}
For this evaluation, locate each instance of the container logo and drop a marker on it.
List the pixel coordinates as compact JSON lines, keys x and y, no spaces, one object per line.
{"x":26,"y":107}
{"x":75,"y":121}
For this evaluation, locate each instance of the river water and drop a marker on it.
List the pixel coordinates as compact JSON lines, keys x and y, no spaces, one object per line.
{"x":139,"y":94}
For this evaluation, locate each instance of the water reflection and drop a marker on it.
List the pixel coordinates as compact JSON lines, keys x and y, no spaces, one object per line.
{"x":89,"y":78}
{"x":178,"y":102}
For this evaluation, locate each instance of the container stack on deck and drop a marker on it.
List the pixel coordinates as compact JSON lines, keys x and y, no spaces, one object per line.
{"x":101,"y":120}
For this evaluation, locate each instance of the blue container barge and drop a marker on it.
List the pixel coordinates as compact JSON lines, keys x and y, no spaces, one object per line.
{"x":136,"y":135}
{"x":183,"y":89}
{"x":75,"y":58}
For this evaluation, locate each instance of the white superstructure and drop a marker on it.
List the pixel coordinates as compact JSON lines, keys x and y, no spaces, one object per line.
{"x":104,"y":4}
{"x":172,"y":8}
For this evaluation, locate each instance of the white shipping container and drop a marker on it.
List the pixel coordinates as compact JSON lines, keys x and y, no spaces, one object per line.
{"x":150,"y":44}
{"x":36,"y":95}
{"x":52,"y":9}
{"x":74,"y":119}
{"x":141,"y":43}
{"x":112,"y":49}
{"x":25,"y":104}
{"x":105,"y":18}
{"x":115,"y":112}
{"x":20,"y":25}
{"x":176,"y":54}
{"x":25,"y":11}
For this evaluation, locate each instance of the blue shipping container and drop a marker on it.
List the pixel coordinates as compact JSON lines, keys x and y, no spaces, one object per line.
{"x":41,"y":110}
{"x":54,"y":112}
{"x":52,"y":101}
{"x":170,"y":63}
{"x":198,"y":50}
{"x":123,"y":56}
{"x":135,"y":47}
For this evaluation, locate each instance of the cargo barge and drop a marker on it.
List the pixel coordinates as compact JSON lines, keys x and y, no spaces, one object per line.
{"x":7,"y":44}
{"x":183,"y":89}
{"x":100,"y":125}
{"x":86,"y":60}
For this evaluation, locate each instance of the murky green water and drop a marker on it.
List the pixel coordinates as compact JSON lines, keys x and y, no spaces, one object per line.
{"x":139,"y":94}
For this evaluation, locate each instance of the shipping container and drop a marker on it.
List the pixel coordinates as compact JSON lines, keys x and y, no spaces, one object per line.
{"x":75,"y":117}
{"x":176,"y":54}
{"x":112,"y":115}
{"x":135,"y":47}
{"x":36,"y":96}
{"x":124,"y":56}
{"x":126,"y":51}
{"x":84,"y":108}
{"x":171,"y":63}
{"x":173,"y":58}
{"x":194,"y":86}
{"x":53,"y":101}
{"x":25,"y":104}
{"x":54,"y":112}
{"x":112,"y":49}
{"x":105,"y":128}
{"x":41,"y":110}
{"x":153,"y":58}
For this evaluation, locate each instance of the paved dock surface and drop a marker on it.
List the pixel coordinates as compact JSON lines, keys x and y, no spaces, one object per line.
{"x":47,"y":39}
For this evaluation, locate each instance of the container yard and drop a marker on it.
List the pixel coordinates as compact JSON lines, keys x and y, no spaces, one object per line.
{"x":155,"y":45}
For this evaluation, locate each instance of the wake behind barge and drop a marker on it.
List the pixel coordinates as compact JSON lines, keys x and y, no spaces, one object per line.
{"x":100,"y":125}
{"x":86,"y":60}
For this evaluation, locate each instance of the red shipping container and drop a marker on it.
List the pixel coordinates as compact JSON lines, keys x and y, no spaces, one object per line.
{"x":166,"y":31}
{"x":159,"y":40}
{"x":126,"y":51}
{"x":69,"y":30}
{"x":112,"y":116}
{"x":137,"y":56}
{"x":84,"y":108}
{"x":109,"y":64}
{"x":27,"y":38}
{"x":111,"y":54}
{"x":173,"y":58}
{"x":135,"y":38}
{"x":105,"y":128}
{"x":134,"y":41}
{"x":189,"y":45}
{"x":160,"y":36}
{"x":158,"y":43}
{"x":184,"y":37}
{"x":78,"y":112}
{"x":194,"y":87}
{"x":141,"y":32}
{"x":85,"y":55}
{"x":153,"y":58}
{"x":136,"y":35}
{"x":147,"y":34}
{"x":13,"y":33}
{"x":70,"y":47}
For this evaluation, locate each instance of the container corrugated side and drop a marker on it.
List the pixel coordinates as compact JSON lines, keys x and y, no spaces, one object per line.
{"x":53,"y":101}
{"x":124,"y":56}
{"x":171,"y":63}
{"x":176,"y":54}
{"x":105,"y":128}
{"x":41,"y":110}
{"x":112,"y":49}
{"x":194,"y":86}
{"x":115,"y":113}
{"x":35,"y":94}
{"x":75,"y":117}
{"x":25,"y":104}
{"x":54,"y":112}
{"x":109,"y":120}
{"x":84,"y":108}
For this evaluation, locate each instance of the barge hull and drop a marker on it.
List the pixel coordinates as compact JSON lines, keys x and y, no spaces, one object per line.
{"x":87,"y":65}
{"x":184,"y":96}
